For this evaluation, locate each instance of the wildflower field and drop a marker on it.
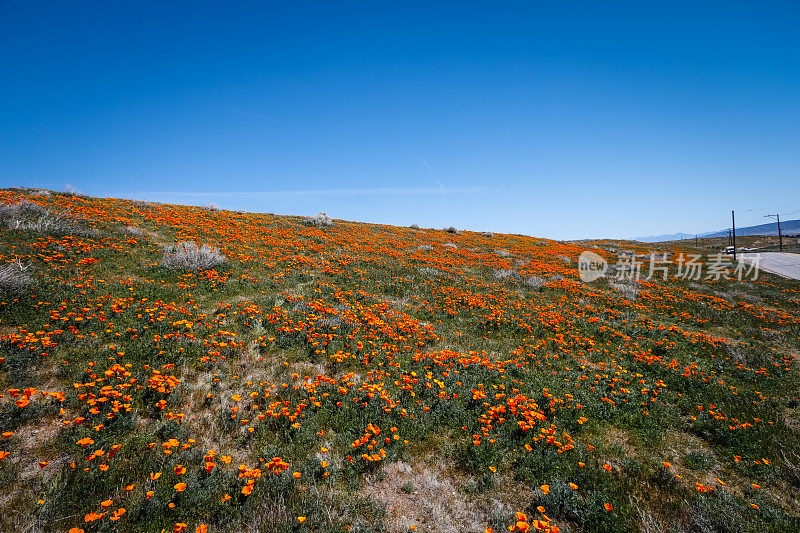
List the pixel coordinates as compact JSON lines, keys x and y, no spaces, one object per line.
{"x":341,"y":376}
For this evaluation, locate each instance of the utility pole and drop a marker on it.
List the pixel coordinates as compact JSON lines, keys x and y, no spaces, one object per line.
{"x":733,"y":229}
{"x":780,"y":236}
{"x":695,"y":240}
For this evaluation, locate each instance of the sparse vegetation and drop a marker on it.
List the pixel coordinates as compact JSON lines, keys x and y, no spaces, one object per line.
{"x":321,"y":220}
{"x":188,"y":255}
{"x":14,"y":278}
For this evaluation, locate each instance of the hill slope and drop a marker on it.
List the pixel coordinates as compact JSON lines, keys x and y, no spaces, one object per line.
{"x":788,"y":227}
{"x":373,"y":378}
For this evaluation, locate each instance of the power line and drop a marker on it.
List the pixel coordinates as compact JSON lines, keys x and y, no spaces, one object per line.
{"x":771,"y":207}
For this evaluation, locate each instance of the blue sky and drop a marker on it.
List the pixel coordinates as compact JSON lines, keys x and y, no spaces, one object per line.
{"x":556,"y":119}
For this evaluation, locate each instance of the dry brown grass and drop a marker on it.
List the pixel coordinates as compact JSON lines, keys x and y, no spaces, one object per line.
{"x":431,"y":497}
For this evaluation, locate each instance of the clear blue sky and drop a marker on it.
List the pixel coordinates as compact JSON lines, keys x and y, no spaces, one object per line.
{"x":557,"y":119}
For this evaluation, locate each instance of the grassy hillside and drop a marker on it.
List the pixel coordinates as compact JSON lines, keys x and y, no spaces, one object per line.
{"x":374,"y":378}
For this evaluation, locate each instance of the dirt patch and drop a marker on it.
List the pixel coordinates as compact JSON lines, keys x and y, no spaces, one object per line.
{"x":432,"y":499}
{"x":791,"y":417}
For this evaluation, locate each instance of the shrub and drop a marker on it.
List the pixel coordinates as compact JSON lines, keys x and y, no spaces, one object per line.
{"x":414,"y":226}
{"x":133,"y":230}
{"x":188,"y":255}
{"x":144,"y":203}
{"x":535,"y":282}
{"x":31,"y":216}
{"x":487,"y":234}
{"x":14,"y":278}
{"x":11,"y":212}
{"x":790,"y":464}
{"x":211,"y":207}
{"x":451,"y":229}
{"x":627,"y":289}
{"x":505,"y":274}
{"x":320,"y":220}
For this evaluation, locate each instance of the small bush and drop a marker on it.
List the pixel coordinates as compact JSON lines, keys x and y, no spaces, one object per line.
{"x":320,"y":220}
{"x":14,"y":278}
{"x":535,"y":282}
{"x":133,"y":230}
{"x":414,"y":226}
{"x":189,"y":256}
{"x":452,"y":229}
{"x":31,"y":216}
{"x":790,"y":464}
{"x":627,"y":289}
{"x":505,"y":274}
{"x":211,"y":207}
{"x":11,"y":212}
{"x":488,"y":234}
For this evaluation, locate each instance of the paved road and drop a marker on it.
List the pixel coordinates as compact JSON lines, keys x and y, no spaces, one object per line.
{"x":782,"y":263}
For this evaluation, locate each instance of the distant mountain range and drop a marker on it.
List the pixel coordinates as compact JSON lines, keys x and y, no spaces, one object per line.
{"x":788,"y":227}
